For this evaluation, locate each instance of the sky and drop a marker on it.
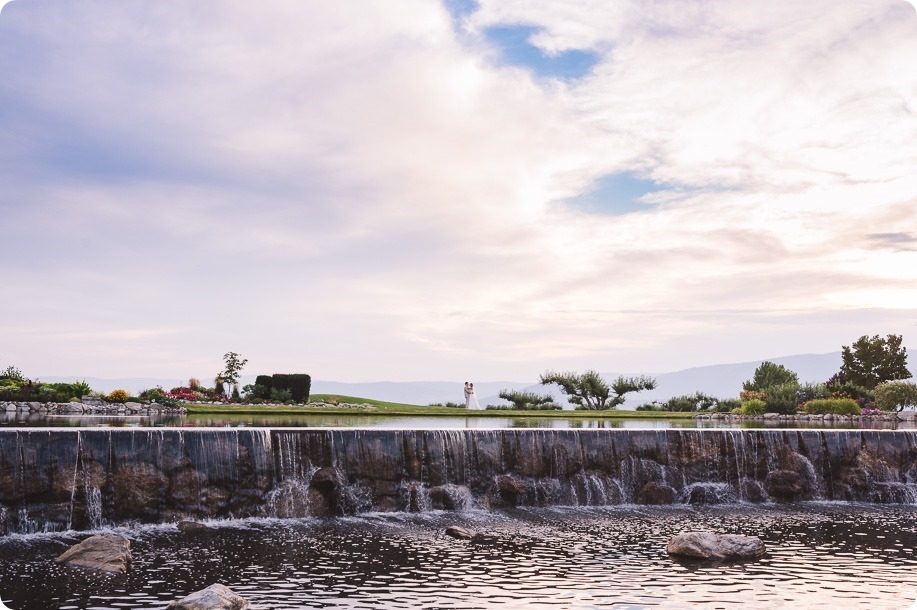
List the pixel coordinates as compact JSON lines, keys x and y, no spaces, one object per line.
{"x":421,"y":190}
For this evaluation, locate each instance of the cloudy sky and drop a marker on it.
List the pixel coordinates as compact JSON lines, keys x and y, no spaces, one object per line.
{"x":422,"y":190}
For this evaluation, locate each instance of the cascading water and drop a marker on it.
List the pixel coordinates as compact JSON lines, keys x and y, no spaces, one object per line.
{"x":52,"y":480}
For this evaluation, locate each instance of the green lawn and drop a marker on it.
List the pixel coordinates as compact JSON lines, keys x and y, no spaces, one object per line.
{"x":379,"y":407}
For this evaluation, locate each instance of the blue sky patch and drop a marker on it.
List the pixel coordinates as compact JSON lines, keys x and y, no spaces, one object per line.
{"x":615,"y":194}
{"x":512,"y":41}
{"x":460,"y":8}
{"x":516,"y":50}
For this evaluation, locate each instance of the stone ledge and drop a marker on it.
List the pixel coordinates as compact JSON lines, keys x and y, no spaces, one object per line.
{"x":93,"y":407}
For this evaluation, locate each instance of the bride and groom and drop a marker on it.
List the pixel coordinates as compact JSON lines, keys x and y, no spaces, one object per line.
{"x":471,"y":399}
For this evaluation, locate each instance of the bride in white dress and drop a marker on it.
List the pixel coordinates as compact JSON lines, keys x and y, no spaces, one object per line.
{"x":471,"y":399}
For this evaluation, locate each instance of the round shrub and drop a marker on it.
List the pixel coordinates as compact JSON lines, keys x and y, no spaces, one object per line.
{"x":833,"y":406}
{"x":118,"y":396}
{"x":754,"y":407}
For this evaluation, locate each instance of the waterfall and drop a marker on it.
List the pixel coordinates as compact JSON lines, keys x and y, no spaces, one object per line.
{"x":52,"y":480}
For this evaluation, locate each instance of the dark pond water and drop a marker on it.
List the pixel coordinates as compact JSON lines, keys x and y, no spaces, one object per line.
{"x":819,"y":556}
{"x":398,"y":423}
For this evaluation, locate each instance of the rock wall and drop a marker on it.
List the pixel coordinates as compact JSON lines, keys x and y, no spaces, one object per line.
{"x":89,"y":407}
{"x":81,"y":479}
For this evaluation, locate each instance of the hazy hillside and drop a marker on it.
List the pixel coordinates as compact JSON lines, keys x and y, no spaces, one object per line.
{"x":721,"y":380}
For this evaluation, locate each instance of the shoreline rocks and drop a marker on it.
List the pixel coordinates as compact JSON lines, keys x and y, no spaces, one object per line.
{"x":104,"y":552}
{"x":707,"y":545}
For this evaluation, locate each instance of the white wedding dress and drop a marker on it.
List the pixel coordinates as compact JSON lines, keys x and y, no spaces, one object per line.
{"x":471,"y":401}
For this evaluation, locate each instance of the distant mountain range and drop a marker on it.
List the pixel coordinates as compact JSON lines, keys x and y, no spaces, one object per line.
{"x":721,"y":380}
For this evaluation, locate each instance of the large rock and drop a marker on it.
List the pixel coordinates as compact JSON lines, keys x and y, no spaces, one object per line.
{"x":214,"y":597}
{"x":656,"y":493}
{"x":786,"y":485}
{"x":457,"y":531}
{"x":105,"y":552}
{"x":706,"y":545}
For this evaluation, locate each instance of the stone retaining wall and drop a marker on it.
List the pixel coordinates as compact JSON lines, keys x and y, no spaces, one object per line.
{"x":90,"y":407}
{"x":803,"y":418}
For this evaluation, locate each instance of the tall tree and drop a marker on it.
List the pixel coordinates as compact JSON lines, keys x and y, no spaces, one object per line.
{"x":871,"y":360}
{"x":589,"y":391}
{"x":769,"y":375}
{"x":233,"y":368}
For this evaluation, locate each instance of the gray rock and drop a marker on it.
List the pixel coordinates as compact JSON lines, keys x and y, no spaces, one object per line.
{"x":786,"y":485}
{"x":105,"y":552}
{"x":656,"y":493}
{"x":707,"y":545}
{"x":459,"y":532}
{"x":214,"y":597}
{"x":192,"y":526}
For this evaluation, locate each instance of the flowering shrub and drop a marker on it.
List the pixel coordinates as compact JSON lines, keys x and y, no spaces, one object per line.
{"x":188,"y":394}
{"x":870,"y":412}
{"x":118,"y":396}
{"x":750,"y":395}
{"x":183,"y":393}
{"x":753,"y":407}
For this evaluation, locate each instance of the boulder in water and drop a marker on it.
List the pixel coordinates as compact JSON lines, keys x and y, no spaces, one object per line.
{"x":785,"y":485}
{"x":459,"y":532}
{"x":214,"y":597}
{"x":105,"y":552}
{"x":707,"y":545}
{"x":656,"y":493}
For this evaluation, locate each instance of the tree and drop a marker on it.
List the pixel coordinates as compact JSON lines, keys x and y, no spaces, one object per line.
{"x":590,"y":392}
{"x":896,"y":395}
{"x":233,"y":368}
{"x":529,"y":401}
{"x":871,"y":360}
{"x":769,"y":375}
{"x":11,"y":372}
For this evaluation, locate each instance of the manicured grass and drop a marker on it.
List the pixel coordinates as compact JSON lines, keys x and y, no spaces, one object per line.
{"x":379,"y":407}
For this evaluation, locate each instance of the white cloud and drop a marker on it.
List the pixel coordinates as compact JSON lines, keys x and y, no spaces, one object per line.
{"x":361,"y":192}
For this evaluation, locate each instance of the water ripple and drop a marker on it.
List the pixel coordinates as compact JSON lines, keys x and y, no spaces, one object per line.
{"x":820,"y":556}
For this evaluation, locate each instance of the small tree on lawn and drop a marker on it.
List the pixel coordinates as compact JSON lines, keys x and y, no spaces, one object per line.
{"x":589,"y":391}
{"x":233,"y":368}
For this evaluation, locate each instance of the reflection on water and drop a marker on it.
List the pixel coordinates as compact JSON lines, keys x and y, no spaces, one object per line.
{"x":449,"y":422}
{"x":819,"y":556}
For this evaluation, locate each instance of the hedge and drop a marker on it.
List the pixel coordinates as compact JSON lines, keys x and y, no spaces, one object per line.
{"x":264,"y":380}
{"x":299,"y":385}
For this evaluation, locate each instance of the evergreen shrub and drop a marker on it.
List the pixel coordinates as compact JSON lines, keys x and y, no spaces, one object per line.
{"x":299,"y":385}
